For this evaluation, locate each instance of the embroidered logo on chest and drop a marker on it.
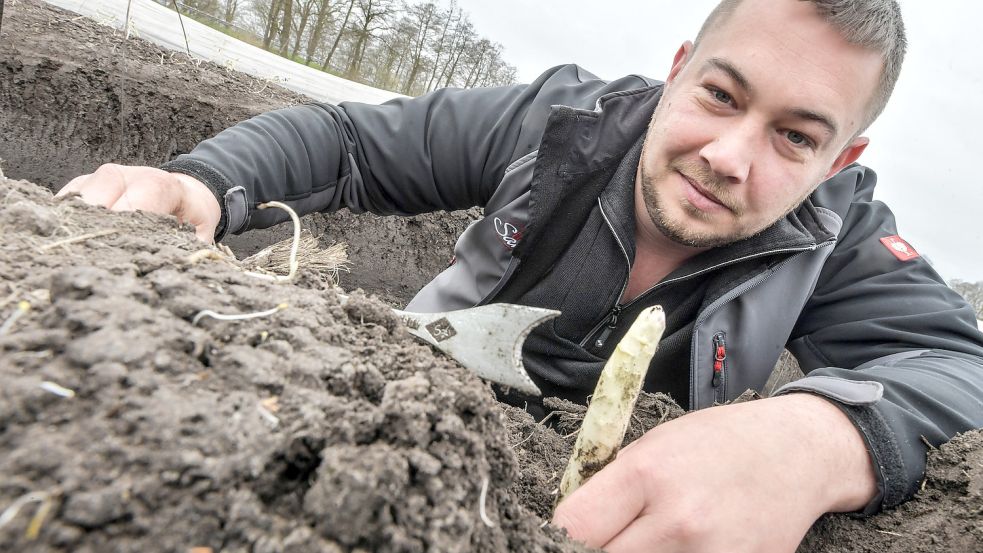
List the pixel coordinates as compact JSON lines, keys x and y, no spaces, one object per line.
{"x":901,"y":249}
{"x":508,"y":233}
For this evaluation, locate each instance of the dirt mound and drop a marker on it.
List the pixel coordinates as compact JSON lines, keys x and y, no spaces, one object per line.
{"x":946,"y":515}
{"x":316,"y":427}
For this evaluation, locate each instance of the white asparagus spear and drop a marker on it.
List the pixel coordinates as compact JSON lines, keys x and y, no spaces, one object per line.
{"x":606,"y":421}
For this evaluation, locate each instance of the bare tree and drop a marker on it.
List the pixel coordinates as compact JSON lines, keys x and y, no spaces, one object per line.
{"x":449,"y":35}
{"x":477,"y":58}
{"x":497,"y":72}
{"x":973,"y":292}
{"x":230,"y":11}
{"x":462,"y":45}
{"x":307,"y":8}
{"x":284,"y":39}
{"x":371,"y":18}
{"x":341,"y":32}
{"x":393,"y":51}
{"x":272,"y":17}
{"x":424,"y":18}
{"x":413,"y":46}
{"x":505,"y":74}
{"x":325,"y":12}
{"x":210,"y":7}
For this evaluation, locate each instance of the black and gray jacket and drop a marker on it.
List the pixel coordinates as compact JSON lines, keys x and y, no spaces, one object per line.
{"x":886,"y":340}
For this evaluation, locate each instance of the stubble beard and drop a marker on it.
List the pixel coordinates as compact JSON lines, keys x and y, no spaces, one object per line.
{"x":676,"y":230}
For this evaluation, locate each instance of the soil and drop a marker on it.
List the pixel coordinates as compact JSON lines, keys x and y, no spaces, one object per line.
{"x":317,"y":427}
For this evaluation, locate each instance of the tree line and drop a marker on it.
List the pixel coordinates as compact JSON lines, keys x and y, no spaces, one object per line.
{"x":410,"y":48}
{"x":973,"y":292}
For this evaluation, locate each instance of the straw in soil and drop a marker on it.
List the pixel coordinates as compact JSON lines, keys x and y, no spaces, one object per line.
{"x":326,"y":261}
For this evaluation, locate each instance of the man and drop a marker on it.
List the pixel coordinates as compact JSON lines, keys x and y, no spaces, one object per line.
{"x":700,"y":195}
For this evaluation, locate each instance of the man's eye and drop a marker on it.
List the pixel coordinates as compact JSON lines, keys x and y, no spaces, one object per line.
{"x":721,"y":96}
{"x":798,"y":138}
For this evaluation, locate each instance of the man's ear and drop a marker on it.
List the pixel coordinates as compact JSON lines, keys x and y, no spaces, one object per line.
{"x":849,"y":154}
{"x":678,"y":62}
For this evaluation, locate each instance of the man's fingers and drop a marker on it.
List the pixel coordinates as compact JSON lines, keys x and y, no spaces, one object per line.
{"x":104,"y":187}
{"x":128,"y":201}
{"x":206,"y":235}
{"x":603,"y":507}
{"x":72,"y":186}
{"x":104,"y":195}
{"x":641,"y":535}
{"x":155,"y":197}
{"x":199,"y":206}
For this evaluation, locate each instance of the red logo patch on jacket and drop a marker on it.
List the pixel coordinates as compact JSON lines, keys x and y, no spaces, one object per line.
{"x":901,"y":249}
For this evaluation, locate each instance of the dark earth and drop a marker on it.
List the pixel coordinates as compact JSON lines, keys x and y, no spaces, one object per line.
{"x":319,"y":427}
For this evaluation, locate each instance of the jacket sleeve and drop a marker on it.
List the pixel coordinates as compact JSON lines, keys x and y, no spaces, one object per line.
{"x":894,"y":347}
{"x":442,"y":151}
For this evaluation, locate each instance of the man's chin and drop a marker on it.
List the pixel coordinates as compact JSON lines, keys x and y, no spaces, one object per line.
{"x":683,"y":234}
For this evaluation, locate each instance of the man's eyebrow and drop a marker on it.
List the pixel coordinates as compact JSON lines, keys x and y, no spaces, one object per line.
{"x":728,"y":67}
{"x":820,"y":118}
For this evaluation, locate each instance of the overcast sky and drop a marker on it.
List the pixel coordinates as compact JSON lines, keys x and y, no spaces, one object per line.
{"x":924,"y":148}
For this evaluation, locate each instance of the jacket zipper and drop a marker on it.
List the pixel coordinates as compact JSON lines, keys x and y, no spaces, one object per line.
{"x":612,"y":323}
{"x":719,"y":362}
{"x":694,"y":390}
{"x":611,"y":319}
{"x":605,"y":323}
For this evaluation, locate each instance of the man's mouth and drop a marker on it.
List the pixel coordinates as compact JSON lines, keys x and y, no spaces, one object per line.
{"x":700,"y":197}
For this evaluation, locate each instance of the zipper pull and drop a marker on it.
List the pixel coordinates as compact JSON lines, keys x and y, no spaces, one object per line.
{"x":612,"y":324}
{"x":719,"y":355}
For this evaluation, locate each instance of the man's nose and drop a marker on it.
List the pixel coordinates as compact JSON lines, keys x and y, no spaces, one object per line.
{"x":729,"y":154}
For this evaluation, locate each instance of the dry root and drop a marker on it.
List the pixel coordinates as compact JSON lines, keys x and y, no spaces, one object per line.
{"x":77,"y":239}
{"x":22,"y":308}
{"x":483,"y":497}
{"x":276,"y":258}
{"x":46,"y":500}
{"x":236,"y":316}
{"x":57,"y":389}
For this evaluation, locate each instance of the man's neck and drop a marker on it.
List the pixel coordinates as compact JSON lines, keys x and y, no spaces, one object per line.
{"x":656,"y":255}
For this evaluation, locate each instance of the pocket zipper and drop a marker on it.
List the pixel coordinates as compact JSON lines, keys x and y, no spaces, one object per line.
{"x":719,"y":359}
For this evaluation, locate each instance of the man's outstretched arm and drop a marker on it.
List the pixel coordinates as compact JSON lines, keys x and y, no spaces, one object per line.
{"x":442,"y":151}
{"x":897,"y":348}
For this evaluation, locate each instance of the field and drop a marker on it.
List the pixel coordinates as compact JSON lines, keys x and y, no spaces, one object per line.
{"x":128,"y":425}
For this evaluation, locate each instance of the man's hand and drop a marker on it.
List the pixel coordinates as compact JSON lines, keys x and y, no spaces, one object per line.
{"x":123,"y":188}
{"x":750,"y":477}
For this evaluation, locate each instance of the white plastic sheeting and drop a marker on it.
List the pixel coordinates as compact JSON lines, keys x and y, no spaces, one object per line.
{"x":158,"y":24}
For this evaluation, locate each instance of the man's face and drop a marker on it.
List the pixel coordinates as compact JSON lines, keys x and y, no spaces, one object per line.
{"x":751,"y":122}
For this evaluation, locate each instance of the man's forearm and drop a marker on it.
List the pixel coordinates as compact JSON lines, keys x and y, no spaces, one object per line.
{"x":297,"y":155}
{"x":839,"y":456}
